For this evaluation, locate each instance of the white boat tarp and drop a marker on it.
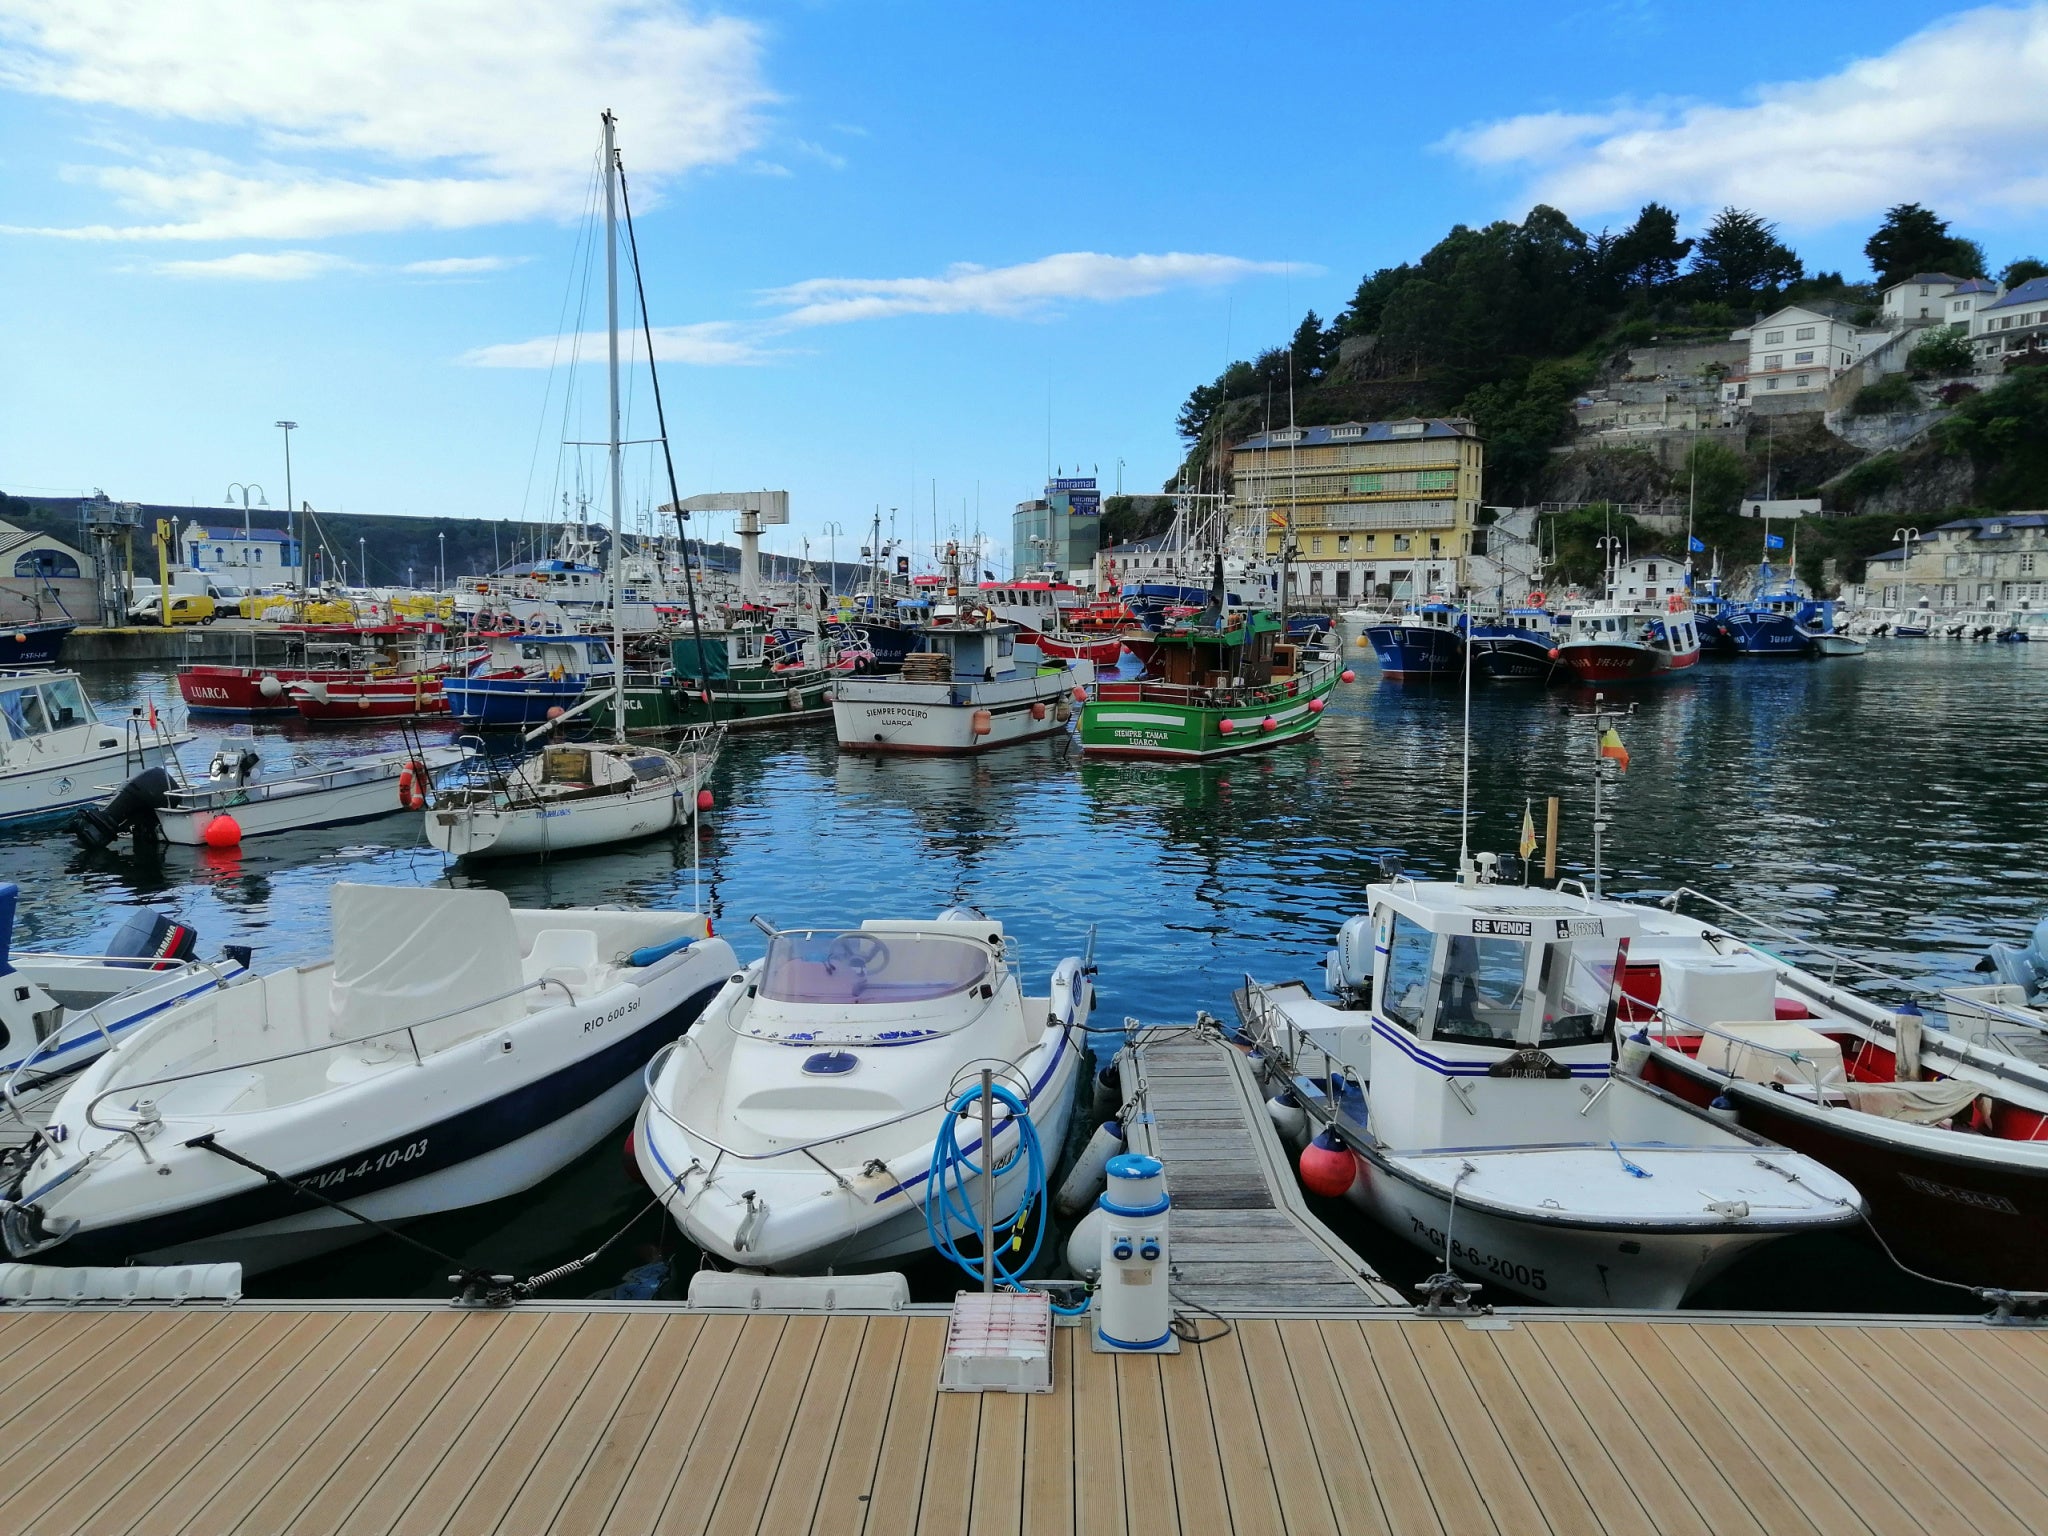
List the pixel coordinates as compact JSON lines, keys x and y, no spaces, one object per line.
{"x":405,"y":956}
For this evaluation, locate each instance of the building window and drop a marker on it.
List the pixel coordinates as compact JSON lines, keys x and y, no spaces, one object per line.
{"x":2026,"y":565}
{"x":1772,"y":338}
{"x":1774,"y":361}
{"x":1985,"y":591}
{"x":1315,"y":546}
{"x":1369,"y":539}
{"x":1802,"y":357}
{"x":1804,"y":333}
{"x":1400,"y":543}
{"x":45,"y":563}
{"x":1923,"y":294}
{"x":1435,"y":545}
{"x":1771,"y":382}
{"x":1343,"y":542}
{"x":1805,"y":379}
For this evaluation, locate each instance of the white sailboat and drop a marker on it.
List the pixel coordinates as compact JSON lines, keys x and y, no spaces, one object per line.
{"x":589,"y":794}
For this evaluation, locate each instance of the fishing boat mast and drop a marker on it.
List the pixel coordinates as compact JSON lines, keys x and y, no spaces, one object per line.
{"x":618,"y":472}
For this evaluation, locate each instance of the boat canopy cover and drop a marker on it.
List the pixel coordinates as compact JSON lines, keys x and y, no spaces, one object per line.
{"x":683,"y":656}
{"x":406,"y":956}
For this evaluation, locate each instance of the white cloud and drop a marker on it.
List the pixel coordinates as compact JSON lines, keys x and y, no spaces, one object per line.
{"x":711,"y":344}
{"x":376,"y":115}
{"x":1955,"y":116}
{"x":460,"y":266}
{"x":1014,"y":290}
{"x":1021,"y":290}
{"x":259,"y":266}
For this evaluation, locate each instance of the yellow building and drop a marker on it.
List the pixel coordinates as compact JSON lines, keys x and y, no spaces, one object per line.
{"x":1378,"y":509}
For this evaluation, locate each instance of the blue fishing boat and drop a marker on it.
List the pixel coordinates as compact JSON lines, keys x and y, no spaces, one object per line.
{"x":525,"y":676}
{"x":1780,"y":618}
{"x":33,"y":645}
{"x":1149,"y":600}
{"x":1717,"y":635}
{"x":1427,"y":641}
{"x":1517,"y":646}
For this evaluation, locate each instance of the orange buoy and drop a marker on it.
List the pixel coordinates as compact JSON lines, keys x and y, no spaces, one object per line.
{"x":1038,"y":710}
{"x":1327,"y":1167}
{"x":704,"y":800}
{"x":982,"y":723}
{"x":1317,"y":706}
{"x":1553,"y":653}
{"x":554,"y":712}
{"x":222,"y":832}
{"x":1080,"y":695}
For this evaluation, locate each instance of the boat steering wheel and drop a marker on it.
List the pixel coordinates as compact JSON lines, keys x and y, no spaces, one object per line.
{"x":859,"y":951}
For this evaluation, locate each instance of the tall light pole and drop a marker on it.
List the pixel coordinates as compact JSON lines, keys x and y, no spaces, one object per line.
{"x":441,"y":576}
{"x":260,"y":501}
{"x":832,"y":532}
{"x":363,"y":559}
{"x":291,"y":508}
{"x":1905,"y":538}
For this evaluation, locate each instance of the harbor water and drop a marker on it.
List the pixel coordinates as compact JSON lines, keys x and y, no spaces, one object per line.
{"x":1889,"y":807}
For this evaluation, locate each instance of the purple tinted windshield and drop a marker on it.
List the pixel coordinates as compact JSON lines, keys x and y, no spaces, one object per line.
{"x":860,"y":967}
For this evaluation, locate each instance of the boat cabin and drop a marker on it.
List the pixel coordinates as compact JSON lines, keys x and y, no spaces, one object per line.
{"x":35,"y":706}
{"x":1248,"y":654}
{"x":547,"y":655}
{"x":1481,"y":983}
{"x":977,"y":651}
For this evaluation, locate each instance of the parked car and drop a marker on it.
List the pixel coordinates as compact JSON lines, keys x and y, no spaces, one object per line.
{"x":186,"y":608}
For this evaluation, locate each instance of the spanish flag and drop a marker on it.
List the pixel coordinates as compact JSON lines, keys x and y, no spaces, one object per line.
{"x":1528,"y":845}
{"x":1611,"y":747}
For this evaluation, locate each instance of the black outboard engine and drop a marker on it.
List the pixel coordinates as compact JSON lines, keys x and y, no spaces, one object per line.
{"x":133,"y":809}
{"x":153,"y":936}
{"x":232,"y":767}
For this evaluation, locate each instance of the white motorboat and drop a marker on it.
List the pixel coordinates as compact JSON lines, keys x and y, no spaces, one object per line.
{"x":794,"y":1127}
{"x":963,"y":692}
{"x":345,"y":790}
{"x":1467,"y":1068}
{"x":453,"y":1051}
{"x":1835,"y":643}
{"x":59,"y":1011}
{"x":56,"y":754}
{"x":566,"y":797}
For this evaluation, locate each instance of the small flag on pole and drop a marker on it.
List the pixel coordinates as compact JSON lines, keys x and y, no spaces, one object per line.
{"x":1697,"y":546}
{"x":152,"y":714}
{"x":1772,"y":541}
{"x":1528,"y":845}
{"x":1611,"y":748}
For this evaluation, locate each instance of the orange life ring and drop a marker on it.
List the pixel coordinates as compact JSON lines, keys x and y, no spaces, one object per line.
{"x":412,"y":786}
{"x":1675,"y":602}
{"x":1536,"y":599}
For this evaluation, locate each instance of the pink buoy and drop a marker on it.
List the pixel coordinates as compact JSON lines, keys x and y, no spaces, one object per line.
{"x":1080,"y":695}
{"x":1224,"y":727}
{"x":704,"y":800}
{"x":1317,"y":706}
{"x":1347,"y":676}
{"x":1269,"y":724}
{"x":1327,"y":1167}
{"x":554,"y":711}
{"x":1038,"y":711}
{"x":981,"y":722}
{"x":1553,"y":653}
{"x":223,"y":832}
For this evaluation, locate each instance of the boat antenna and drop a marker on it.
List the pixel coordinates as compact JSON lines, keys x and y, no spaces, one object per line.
{"x":675,"y":498}
{"x":1465,"y":760}
{"x":611,"y":301}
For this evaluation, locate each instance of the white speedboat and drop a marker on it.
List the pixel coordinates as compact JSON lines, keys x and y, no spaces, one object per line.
{"x":1833,"y":642}
{"x":59,"y":1011}
{"x":963,"y":691}
{"x":1471,"y":1060}
{"x":333,"y":794}
{"x":794,"y":1127}
{"x":55,"y":752}
{"x":453,"y":1051}
{"x":566,"y":797}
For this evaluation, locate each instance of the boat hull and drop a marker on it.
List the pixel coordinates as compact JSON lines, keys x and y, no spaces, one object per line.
{"x":33,"y":645}
{"x":1958,"y":1217}
{"x":1769,"y":634}
{"x":504,"y":702}
{"x":34,"y":794}
{"x":1839,"y":645}
{"x":491,"y":832}
{"x":889,"y":715}
{"x":739,"y":704}
{"x":226,"y":690}
{"x":373,"y":796}
{"x":1121,"y":721}
{"x":418,"y":697}
{"x":1515,"y":658}
{"x":1416,"y":652}
{"x":1606,"y":662}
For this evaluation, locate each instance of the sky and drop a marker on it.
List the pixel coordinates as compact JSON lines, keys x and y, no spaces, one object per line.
{"x":892,"y":251}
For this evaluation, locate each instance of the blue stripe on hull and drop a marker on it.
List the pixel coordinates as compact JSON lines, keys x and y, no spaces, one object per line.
{"x":459,"y":1139}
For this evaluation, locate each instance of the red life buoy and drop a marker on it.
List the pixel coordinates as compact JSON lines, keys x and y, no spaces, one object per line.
{"x":412,"y":786}
{"x":1536,"y":599}
{"x":1676,"y":602}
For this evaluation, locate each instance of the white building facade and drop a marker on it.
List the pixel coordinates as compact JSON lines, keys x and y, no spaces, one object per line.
{"x":2013,"y":322}
{"x":1798,"y":351}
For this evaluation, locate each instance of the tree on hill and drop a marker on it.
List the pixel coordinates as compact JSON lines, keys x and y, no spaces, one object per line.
{"x":1645,"y":256}
{"x":1313,"y":349}
{"x":1915,"y":239}
{"x":1741,"y":260}
{"x":1942,"y":352}
{"x":2024,"y":270}
{"x":1361,"y":317}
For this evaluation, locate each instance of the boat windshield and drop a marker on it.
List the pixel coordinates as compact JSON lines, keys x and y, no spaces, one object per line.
{"x":21,"y":714}
{"x":862,"y":967}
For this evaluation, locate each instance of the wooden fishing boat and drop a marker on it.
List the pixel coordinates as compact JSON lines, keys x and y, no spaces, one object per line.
{"x":1211,"y":692}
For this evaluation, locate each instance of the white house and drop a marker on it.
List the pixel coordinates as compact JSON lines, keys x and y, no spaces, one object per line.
{"x":2012,"y":322}
{"x":1921,"y":299}
{"x":1654,"y":579}
{"x":1970,"y":297}
{"x":259,"y":557}
{"x":1798,"y":350}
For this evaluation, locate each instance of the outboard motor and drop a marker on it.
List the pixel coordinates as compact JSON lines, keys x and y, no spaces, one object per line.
{"x":1348,"y":970}
{"x":153,"y":936}
{"x":2023,"y":966}
{"x":133,"y":809}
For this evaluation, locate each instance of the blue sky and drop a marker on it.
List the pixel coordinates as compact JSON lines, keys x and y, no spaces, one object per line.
{"x":887,"y":244}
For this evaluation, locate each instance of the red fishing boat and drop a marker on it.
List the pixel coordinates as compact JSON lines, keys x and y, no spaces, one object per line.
{"x":323,"y":653}
{"x":1630,"y":641}
{"x":415,"y":695}
{"x":1045,"y":615}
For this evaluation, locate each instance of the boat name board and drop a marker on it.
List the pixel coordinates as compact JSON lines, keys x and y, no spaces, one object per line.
{"x":618,"y":1013}
{"x":1979,"y":1198}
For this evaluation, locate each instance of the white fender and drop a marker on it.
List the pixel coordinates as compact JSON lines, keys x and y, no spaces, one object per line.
{"x":1085,"y":1179}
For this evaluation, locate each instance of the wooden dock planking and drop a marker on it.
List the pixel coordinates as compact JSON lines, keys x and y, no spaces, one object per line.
{"x":1242,"y":1235}
{"x":264,"y":1418}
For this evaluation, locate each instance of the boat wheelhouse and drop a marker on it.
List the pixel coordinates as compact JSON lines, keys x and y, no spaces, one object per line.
{"x":1628,"y":640}
{"x":1426,"y":642}
{"x":525,"y":676}
{"x":57,"y":755}
{"x":1210,"y":691}
{"x":968,"y":689}
{"x":744,"y":678}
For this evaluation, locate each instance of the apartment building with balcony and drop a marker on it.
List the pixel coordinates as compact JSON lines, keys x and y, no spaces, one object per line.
{"x":1797,"y":352}
{"x":2015,"y":322}
{"x":1376,"y":509}
{"x":1997,"y":562}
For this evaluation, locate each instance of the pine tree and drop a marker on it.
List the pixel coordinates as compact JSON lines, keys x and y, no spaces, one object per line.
{"x":1914,"y":239}
{"x":1740,"y":259}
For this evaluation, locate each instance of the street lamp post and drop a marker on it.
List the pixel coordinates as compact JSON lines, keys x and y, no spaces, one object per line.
{"x":832,"y":532}
{"x":291,"y":508}
{"x":363,"y":559}
{"x":229,"y":500}
{"x":441,"y":574}
{"x":1905,"y":538}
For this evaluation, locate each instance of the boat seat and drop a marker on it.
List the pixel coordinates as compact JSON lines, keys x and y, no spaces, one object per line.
{"x":567,"y":955}
{"x":1765,"y":1051}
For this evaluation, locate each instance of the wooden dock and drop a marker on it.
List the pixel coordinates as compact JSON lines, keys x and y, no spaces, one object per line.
{"x":266,"y":1419}
{"x":1242,"y":1235}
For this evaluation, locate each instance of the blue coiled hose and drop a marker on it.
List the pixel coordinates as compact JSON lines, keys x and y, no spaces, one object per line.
{"x":947,"y":1208}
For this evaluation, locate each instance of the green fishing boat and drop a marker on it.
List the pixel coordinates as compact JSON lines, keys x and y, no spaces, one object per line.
{"x":744,"y":679}
{"x":1210,"y":691}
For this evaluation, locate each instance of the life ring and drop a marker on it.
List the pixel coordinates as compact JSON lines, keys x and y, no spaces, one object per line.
{"x":1676,"y":602}
{"x":1537,"y":599}
{"x":412,"y":786}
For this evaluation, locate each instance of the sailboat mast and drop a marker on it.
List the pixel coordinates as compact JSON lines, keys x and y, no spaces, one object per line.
{"x":611,"y":310}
